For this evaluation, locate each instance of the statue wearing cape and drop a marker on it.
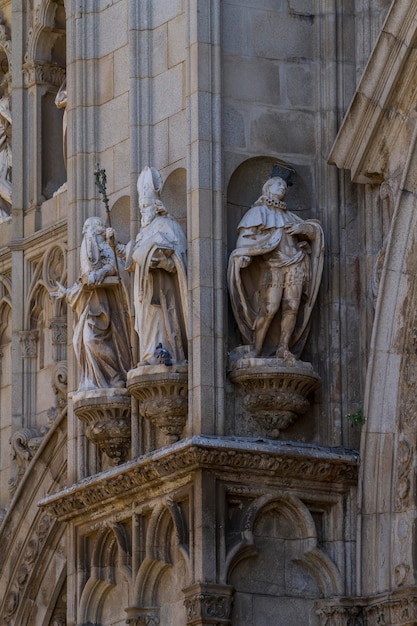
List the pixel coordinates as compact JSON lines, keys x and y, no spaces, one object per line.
{"x":268,"y":256}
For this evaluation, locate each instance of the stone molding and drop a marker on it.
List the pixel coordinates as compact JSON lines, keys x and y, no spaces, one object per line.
{"x":208,"y":604}
{"x":32,"y":550}
{"x":398,"y":608}
{"x":275,"y":393}
{"x":280,"y":460}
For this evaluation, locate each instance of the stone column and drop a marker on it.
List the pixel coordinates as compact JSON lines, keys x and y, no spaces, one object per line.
{"x":29,"y":346}
{"x":205,"y":217}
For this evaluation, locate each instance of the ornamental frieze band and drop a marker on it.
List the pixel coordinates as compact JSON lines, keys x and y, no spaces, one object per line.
{"x":278,"y":460}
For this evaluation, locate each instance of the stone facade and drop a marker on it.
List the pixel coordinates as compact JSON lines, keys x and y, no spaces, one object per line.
{"x":219,"y":484}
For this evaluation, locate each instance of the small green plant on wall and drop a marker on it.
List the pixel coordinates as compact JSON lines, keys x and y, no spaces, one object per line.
{"x":357,"y":418}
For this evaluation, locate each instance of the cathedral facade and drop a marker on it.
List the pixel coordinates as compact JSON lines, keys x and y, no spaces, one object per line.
{"x":207,"y":312}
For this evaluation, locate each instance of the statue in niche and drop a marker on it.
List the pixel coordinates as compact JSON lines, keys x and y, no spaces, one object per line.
{"x":274,"y":275}
{"x":101,"y":340}
{"x":158,"y":258}
{"x":61,"y":103}
{"x":5,"y":158}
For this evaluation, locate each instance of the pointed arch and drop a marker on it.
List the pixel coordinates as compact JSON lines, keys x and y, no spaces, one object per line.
{"x":303,"y":535}
{"x":166,"y":525}
{"x":32,"y":544}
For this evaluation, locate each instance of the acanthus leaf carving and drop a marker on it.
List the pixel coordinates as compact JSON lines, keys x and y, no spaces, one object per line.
{"x":42,"y":74}
{"x":208,"y":604}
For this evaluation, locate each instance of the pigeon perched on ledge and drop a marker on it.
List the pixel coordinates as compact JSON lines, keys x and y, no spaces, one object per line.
{"x":162,"y":355}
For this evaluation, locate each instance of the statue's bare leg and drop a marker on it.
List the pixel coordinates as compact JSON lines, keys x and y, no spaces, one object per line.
{"x":269,"y":310}
{"x":290,"y":305}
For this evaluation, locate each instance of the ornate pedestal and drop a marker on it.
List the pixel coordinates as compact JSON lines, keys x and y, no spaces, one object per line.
{"x":275,"y":391}
{"x":106,"y":413}
{"x":163,"y":394}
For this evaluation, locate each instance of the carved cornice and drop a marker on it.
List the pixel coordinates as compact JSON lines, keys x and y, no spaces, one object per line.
{"x":334,"y":469}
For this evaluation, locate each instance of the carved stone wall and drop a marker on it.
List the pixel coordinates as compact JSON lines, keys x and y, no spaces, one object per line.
{"x":176,"y":506}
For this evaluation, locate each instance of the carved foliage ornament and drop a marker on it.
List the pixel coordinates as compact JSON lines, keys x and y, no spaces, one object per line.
{"x":42,"y":74}
{"x":208,"y":604}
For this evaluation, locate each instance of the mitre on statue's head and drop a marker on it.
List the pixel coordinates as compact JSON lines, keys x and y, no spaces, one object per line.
{"x":149,"y":184}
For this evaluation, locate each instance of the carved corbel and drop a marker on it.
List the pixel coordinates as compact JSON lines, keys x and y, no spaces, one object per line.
{"x":341,"y":616}
{"x":24,"y":443}
{"x":208,"y":604}
{"x":42,"y":74}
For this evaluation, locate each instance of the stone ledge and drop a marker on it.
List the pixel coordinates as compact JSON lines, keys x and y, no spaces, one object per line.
{"x":259,"y":457}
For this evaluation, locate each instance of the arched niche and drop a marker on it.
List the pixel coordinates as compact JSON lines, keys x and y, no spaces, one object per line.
{"x":244,"y":188}
{"x":41,"y":374}
{"x":279,"y":579}
{"x":120,"y":218}
{"x":106,"y":591}
{"x":174,"y":195}
{"x":164,"y":572}
{"x":44,"y":73}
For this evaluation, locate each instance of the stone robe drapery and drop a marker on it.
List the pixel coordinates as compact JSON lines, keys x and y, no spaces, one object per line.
{"x":5,"y":152}
{"x":160,"y":296}
{"x":261,"y":234}
{"x":100,"y":340}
